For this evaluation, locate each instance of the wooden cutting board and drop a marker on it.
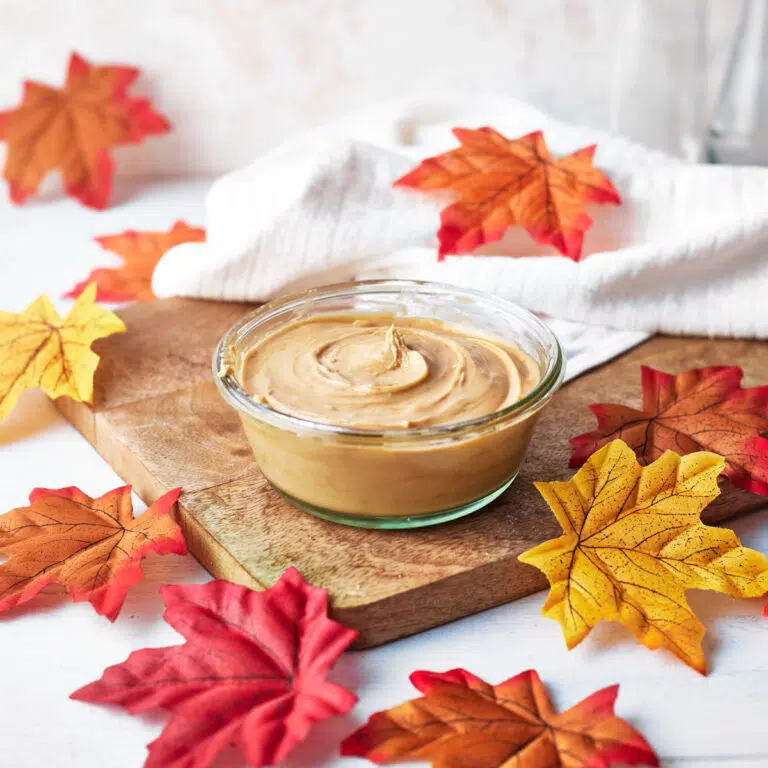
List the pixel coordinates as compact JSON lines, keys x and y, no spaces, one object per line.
{"x":159,"y":421}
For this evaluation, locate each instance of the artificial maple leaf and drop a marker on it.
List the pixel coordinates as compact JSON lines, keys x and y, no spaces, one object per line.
{"x":702,"y":409}
{"x":140,"y":251}
{"x":498,"y":183}
{"x":633,"y":543}
{"x":462,"y":721}
{"x":72,"y":129}
{"x":39,"y":349}
{"x":93,"y":547}
{"x":252,"y":672}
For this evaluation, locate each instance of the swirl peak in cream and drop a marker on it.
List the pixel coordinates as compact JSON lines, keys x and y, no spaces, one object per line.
{"x":385,"y":372}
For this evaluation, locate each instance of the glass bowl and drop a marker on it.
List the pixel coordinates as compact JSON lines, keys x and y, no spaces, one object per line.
{"x":392,"y":478}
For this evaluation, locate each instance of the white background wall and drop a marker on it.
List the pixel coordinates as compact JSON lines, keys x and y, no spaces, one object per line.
{"x":238,"y":76}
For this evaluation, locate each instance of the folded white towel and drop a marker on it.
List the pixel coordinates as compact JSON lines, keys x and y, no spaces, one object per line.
{"x":685,"y":253}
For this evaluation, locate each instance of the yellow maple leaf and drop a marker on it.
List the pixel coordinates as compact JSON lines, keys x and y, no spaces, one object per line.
{"x":633,"y":543}
{"x":39,"y":349}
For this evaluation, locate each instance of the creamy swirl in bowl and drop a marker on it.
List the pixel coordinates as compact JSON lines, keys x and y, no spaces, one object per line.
{"x":368,"y":404}
{"x":385,"y":372}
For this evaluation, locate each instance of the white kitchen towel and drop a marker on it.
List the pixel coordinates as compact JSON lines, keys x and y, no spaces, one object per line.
{"x":685,"y":253}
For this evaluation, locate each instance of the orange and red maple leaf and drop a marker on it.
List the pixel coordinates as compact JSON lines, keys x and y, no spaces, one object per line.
{"x":93,"y":547}
{"x":72,"y":129}
{"x":461,"y":720}
{"x":704,"y":409}
{"x":140,"y":252}
{"x":497,"y":183}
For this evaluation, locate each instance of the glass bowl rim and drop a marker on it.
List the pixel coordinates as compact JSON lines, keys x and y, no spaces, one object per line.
{"x":238,"y":398}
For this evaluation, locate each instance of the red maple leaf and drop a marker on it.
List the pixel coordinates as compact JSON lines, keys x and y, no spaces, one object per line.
{"x":72,"y":129}
{"x":253,"y":672}
{"x":704,"y":409}
{"x":498,"y":183}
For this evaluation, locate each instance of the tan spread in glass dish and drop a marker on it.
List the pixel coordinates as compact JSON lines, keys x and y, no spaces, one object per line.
{"x":389,"y":403}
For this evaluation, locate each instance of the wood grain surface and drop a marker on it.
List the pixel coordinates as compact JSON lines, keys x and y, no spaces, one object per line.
{"x":158,"y":420}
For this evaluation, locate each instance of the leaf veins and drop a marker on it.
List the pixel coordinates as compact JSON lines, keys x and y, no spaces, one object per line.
{"x":633,"y":543}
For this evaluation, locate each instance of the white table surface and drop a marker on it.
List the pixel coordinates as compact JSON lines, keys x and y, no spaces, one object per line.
{"x":50,"y":646}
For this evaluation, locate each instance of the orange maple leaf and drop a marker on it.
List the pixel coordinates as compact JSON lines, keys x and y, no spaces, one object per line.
{"x":140,"y":251}
{"x":462,"y":720}
{"x":498,"y":183}
{"x":72,"y":129}
{"x":93,"y":547}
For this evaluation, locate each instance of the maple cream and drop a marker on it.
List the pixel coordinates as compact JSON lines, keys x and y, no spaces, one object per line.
{"x":380,"y":419}
{"x":384,"y":372}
